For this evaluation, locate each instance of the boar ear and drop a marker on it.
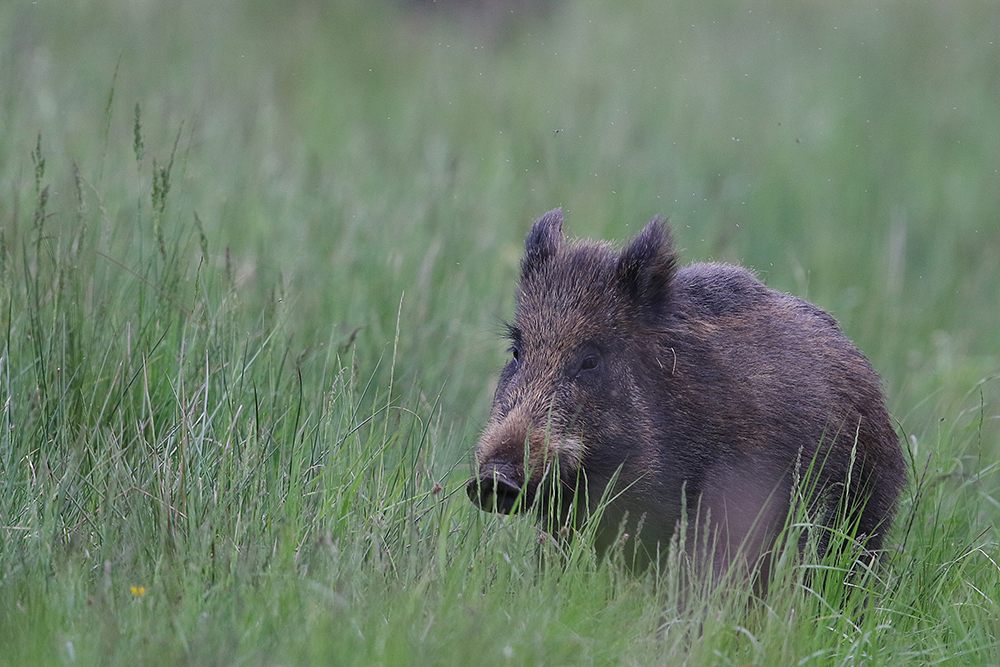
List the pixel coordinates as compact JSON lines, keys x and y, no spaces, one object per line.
{"x":646,"y":268}
{"x":542,"y":241}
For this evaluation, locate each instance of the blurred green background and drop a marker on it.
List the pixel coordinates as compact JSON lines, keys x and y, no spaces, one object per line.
{"x":356,"y":179}
{"x":849,"y":152}
{"x":353,"y":151}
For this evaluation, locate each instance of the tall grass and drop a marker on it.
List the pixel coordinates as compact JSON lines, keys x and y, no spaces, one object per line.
{"x":249,"y":298}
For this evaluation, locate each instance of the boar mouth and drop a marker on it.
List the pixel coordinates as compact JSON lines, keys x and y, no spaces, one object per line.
{"x":497,"y":489}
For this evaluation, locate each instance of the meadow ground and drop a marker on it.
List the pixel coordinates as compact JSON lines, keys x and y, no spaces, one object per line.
{"x":253,"y":260}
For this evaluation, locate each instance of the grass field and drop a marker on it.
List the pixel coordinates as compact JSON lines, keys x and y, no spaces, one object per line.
{"x":253,"y":262}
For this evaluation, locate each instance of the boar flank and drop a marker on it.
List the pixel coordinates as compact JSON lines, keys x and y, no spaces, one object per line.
{"x":663,"y":388}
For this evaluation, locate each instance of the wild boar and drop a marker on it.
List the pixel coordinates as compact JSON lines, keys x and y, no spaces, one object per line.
{"x":657,"y":389}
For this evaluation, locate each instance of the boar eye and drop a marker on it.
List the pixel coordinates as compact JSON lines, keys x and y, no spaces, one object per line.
{"x":515,"y":353}
{"x":590,"y":361}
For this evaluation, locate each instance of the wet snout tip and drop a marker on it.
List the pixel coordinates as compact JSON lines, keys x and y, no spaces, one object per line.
{"x":495,"y":489}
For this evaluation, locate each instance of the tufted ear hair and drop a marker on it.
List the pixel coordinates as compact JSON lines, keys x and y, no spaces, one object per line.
{"x":542,"y":241}
{"x":646,"y":268}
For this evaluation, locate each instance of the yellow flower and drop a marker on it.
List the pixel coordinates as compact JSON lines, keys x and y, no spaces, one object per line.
{"x":138,"y":591}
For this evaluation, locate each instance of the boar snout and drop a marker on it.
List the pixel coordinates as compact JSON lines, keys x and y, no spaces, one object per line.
{"x":497,"y":488}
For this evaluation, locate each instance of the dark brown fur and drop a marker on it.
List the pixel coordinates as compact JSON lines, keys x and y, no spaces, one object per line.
{"x":699,"y":382}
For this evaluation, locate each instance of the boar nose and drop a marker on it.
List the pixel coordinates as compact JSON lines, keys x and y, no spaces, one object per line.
{"x":496,"y":489}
